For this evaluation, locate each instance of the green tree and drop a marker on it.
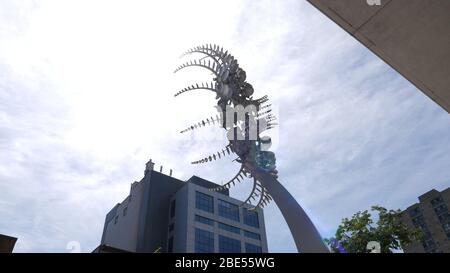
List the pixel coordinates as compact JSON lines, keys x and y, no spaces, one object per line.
{"x":353,"y":234}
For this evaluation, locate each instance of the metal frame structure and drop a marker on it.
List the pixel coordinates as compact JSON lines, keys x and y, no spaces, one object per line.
{"x":244,"y":118}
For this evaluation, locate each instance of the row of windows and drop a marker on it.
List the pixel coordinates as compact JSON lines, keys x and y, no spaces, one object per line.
{"x":226,"y":209}
{"x":252,"y":235}
{"x":229,"y":228}
{"x":204,"y":243}
{"x":204,"y":202}
{"x":251,"y":248}
{"x":441,"y":209}
{"x":415,"y":212}
{"x":229,"y":245}
{"x":251,"y":218}
{"x":437,"y":201}
{"x":445,"y":217}
{"x":446,"y":227}
{"x":226,"y":227}
{"x":204,"y":220}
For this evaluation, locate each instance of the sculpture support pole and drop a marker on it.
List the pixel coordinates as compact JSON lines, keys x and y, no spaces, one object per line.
{"x":306,"y":236}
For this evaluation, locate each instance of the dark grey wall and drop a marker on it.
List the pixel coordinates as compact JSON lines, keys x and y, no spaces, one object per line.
{"x":108,"y":218}
{"x":153,"y":217}
{"x":180,"y":220}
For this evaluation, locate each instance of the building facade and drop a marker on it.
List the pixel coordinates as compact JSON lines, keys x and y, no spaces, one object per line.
{"x":165,"y":214}
{"x":203,"y":221}
{"x":432,"y":216}
{"x":412,"y":36}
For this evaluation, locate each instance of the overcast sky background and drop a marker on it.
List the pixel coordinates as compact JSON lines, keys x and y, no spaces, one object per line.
{"x":86,"y":99}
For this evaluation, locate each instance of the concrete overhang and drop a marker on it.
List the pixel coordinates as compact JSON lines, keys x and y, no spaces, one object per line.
{"x":412,"y":36}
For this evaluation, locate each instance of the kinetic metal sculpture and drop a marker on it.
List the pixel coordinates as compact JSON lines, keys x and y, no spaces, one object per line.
{"x":244,"y":118}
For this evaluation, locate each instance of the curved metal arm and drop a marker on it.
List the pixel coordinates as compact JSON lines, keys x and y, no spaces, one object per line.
{"x":306,"y":236}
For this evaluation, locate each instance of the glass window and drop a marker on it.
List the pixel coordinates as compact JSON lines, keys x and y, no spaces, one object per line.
{"x":204,"y":220}
{"x":204,"y":202}
{"x":228,"y":210}
{"x":252,"y":235}
{"x":446,"y":227}
{"x":116,"y":219}
{"x":172,"y":208}
{"x":251,"y":218}
{"x":171,"y":227}
{"x":229,"y":245}
{"x":415,"y":212}
{"x":251,"y":248}
{"x":229,"y":228}
{"x":204,"y":241}
{"x":437,"y":201}
{"x":125,"y":211}
{"x":170,"y":245}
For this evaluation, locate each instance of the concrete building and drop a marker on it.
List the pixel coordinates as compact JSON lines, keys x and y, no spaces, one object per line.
{"x":412,"y":36}
{"x":432,"y":216}
{"x":165,"y":214}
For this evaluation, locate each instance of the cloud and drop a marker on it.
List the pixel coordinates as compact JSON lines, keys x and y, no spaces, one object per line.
{"x":84,"y":107}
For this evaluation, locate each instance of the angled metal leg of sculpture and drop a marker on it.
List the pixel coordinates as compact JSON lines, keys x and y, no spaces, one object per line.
{"x":306,"y":236}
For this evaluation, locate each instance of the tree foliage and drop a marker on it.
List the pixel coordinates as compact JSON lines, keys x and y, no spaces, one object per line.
{"x":354,"y":234}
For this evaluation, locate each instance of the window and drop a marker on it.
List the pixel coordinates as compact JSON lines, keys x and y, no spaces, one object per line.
{"x":437,"y":201}
{"x":415,"y":212}
{"x":171,"y":227}
{"x":251,"y":248}
{"x":229,"y":228}
{"x":170,"y":245}
{"x":441,"y":209}
{"x":229,"y":245}
{"x":204,"y":220}
{"x":446,"y":227}
{"x":172,"y":208}
{"x":204,"y":241}
{"x":251,"y":218}
{"x":116,"y":219}
{"x":252,"y":235}
{"x":228,"y":210}
{"x":125,"y":211}
{"x":204,"y":202}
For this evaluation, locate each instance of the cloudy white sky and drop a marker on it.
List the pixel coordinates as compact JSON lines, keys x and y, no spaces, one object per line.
{"x":86,"y":98}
